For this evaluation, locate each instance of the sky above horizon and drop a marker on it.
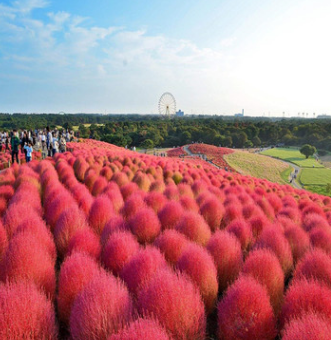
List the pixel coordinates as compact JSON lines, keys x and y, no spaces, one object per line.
{"x":214,"y":56}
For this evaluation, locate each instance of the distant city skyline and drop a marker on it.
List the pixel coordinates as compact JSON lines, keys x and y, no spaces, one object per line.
{"x":214,"y":56}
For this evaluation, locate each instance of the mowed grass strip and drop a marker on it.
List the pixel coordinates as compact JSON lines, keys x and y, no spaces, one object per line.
{"x":259,"y":166}
{"x":294,"y":156}
{"x":315,"y":176}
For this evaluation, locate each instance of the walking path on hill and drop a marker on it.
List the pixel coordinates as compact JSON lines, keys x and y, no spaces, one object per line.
{"x":188,"y":151}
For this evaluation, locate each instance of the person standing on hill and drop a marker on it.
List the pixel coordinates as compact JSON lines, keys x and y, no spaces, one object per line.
{"x":49,"y":140}
{"x":29,"y":151}
{"x":15,"y":142}
{"x":24,"y":142}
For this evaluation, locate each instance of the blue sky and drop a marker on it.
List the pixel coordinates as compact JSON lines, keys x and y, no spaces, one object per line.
{"x":215,"y":56}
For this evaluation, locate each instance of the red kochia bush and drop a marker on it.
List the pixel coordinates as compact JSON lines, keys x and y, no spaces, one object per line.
{"x":70,"y":221}
{"x":314,"y":265}
{"x":155,"y":200}
{"x":76,"y":271}
{"x":213,"y":211}
{"x":115,"y":223}
{"x":170,"y":215}
{"x":26,"y":260}
{"x":271,"y":238}
{"x":141,"y":267}
{"x":321,"y":238}
{"x":85,"y":241}
{"x":26,"y":313}
{"x":142,"y":329}
{"x":310,"y":326}
{"x":194,"y":227}
{"x":120,"y":247}
{"x":171,"y":244}
{"x":305,"y":296}
{"x":242,"y":230}
{"x":198,"y":264}
{"x":172,"y":297}
{"x":227,"y":254}
{"x":99,"y":186}
{"x":245,"y":312}
{"x":311,"y":221}
{"x":145,"y":225}
{"x":101,"y":309}
{"x":100,"y":213}
{"x":264,"y":267}
{"x":298,"y":240}
{"x":189,"y":203}
{"x":133,"y":204}
{"x":3,"y":240}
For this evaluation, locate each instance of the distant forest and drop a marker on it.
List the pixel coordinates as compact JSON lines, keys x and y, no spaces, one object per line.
{"x":148,"y":131}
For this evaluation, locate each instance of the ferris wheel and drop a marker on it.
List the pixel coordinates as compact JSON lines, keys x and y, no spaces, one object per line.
{"x":167,"y":104}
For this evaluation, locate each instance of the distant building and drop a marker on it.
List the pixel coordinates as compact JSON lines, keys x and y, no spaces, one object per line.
{"x":180,"y":113}
{"x":323,"y":116}
{"x":240,"y":114}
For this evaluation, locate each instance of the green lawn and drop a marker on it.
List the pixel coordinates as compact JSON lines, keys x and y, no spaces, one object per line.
{"x":315,"y":176}
{"x":294,"y":156}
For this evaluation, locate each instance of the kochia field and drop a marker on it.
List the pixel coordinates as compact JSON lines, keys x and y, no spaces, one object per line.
{"x":102,"y":243}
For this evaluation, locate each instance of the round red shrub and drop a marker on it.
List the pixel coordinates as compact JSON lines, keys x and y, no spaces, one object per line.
{"x":242,"y":230}
{"x":85,"y":241}
{"x":100,"y":213}
{"x":114,"y":194}
{"x":312,"y":221}
{"x":171,"y":192}
{"x":142,"y":329}
{"x":3,"y":241}
{"x":310,"y":326}
{"x":314,"y":265}
{"x":264,"y":267}
{"x":99,"y":186}
{"x":271,"y":238}
{"x":171,"y":244}
{"x":170,"y":214}
{"x":228,"y":258}
{"x":133,"y":204}
{"x":188,"y":203}
{"x":245,"y":312}
{"x":321,"y":238}
{"x":171,"y":297}
{"x":198,"y":264}
{"x":6,"y":192}
{"x":70,"y":221}
{"x":115,"y":223}
{"x":141,"y":267}
{"x":76,"y":271}
{"x":145,"y":225}
{"x":298,"y":240}
{"x":194,"y":227}
{"x":26,"y":313}
{"x":103,"y":308}
{"x":305,"y":296}
{"x":26,"y":260}
{"x":120,"y":247}
{"x":232,"y":212}
{"x":120,"y":178}
{"x":155,"y":200}
{"x":212,"y":211}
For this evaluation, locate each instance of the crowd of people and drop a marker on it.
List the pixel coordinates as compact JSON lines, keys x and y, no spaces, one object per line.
{"x":47,"y":141}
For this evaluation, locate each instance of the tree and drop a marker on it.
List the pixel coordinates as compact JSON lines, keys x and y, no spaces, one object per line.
{"x":307,"y":150}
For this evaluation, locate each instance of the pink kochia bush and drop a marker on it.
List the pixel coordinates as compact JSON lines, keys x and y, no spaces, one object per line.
{"x":103,"y":308}
{"x":142,"y":266}
{"x":142,"y":329}
{"x":176,"y":303}
{"x":120,"y":247}
{"x":27,"y":260}
{"x":115,"y":223}
{"x":76,"y":271}
{"x":314,"y":265}
{"x":242,"y":230}
{"x":26,"y":313}
{"x":273,"y":239}
{"x":170,"y":215}
{"x":310,"y":326}
{"x":70,"y":221}
{"x":3,"y":240}
{"x":213,"y":211}
{"x":101,"y":211}
{"x":85,"y":241}
{"x":226,"y":252}
{"x":194,"y":227}
{"x":264,"y":267}
{"x":198,"y":264}
{"x":245,"y":312}
{"x":305,"y":296}
{"x":171,"y":244}
{"x":298,"y":240}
